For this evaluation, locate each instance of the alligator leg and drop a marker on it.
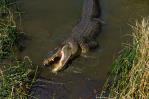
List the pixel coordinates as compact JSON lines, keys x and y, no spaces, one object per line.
{"x":87,"y":44}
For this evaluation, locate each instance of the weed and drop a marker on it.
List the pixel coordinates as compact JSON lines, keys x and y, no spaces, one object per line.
{"x":9,"y":33}
{"x":14,"y":75}
{"x":130,"y":74}
{"x":14,"y":80}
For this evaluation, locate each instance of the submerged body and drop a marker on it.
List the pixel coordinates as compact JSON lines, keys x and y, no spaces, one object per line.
{"x":82,"y":38}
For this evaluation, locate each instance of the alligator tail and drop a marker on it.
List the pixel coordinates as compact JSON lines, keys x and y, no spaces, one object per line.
{"x":91,"y":9}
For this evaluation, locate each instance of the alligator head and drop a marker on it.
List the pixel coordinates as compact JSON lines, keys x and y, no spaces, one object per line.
{"x":61,"y":57}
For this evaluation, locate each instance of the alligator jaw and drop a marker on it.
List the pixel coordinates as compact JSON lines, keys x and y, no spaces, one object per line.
{"x":59,"y":60}
{"x":65,"y":56}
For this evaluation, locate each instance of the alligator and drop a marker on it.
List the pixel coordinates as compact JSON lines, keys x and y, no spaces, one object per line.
{"x":81,"y":40}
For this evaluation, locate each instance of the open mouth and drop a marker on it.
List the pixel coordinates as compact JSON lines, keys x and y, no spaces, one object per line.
{"x":59,"y":60}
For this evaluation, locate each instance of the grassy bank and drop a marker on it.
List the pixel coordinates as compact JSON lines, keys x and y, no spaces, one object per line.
{"x":129,"y":78}
{"x":11,"y":36}
{"x":14,"y":80}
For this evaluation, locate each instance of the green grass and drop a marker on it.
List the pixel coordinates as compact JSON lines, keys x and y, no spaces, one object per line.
{"x":8,"y":30}
{"x":14,"y":73}
{"x":129,"y":78}
{"x":14,"y":80}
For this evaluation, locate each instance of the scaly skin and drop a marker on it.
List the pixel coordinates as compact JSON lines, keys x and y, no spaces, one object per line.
{"x":82,"y":38}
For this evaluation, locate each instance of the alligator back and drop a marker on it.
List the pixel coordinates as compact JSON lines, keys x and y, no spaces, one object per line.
{"x":89,"y":25}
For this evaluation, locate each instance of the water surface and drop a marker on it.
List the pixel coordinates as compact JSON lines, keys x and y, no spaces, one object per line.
{"x":49,"y":22}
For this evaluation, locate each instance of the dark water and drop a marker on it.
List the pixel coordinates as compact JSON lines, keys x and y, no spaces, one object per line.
{"x":49,"y":22}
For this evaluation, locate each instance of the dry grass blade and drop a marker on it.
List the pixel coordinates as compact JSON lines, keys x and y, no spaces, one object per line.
{"x":130,"y":73}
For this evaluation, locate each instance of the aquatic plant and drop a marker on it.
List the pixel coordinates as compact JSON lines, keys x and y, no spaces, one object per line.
{"x":129,"y":78}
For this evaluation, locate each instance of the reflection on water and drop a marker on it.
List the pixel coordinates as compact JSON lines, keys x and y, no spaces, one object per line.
{"x":49,"y":22}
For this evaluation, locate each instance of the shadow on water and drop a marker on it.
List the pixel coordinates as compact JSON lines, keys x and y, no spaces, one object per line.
{"x":49,"y":22}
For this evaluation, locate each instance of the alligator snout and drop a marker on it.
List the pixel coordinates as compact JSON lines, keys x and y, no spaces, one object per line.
{"x":59,"y":59}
